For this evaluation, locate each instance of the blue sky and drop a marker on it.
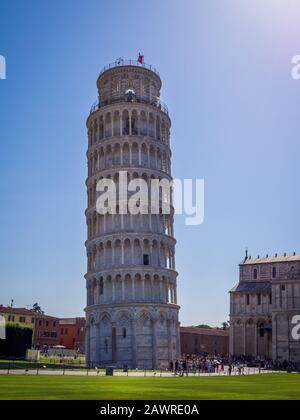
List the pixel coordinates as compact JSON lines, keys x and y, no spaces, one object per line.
{"x":225,"y":67}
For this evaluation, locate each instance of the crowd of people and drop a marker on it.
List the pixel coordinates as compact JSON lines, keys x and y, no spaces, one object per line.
{"x":266,"y":363}
{"x":219,"y":364}
{"x":201,"y":364}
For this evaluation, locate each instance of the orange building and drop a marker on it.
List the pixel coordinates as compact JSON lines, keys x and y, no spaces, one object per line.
{"x":46,"y":331}
{"x":72,"y":333}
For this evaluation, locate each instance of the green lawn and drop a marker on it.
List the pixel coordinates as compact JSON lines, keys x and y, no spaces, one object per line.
{"x":273,"y":386}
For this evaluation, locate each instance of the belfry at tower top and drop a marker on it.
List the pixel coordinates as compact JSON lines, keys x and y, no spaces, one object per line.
{"x":128,"y":63}
{"x":129,"y":81}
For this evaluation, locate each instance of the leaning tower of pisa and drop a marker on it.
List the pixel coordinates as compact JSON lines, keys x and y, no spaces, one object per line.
{"x":132,"y":311}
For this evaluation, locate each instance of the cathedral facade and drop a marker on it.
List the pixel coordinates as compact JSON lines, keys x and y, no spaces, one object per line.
{"x":131,"y":280}
{"x":262,"y":308}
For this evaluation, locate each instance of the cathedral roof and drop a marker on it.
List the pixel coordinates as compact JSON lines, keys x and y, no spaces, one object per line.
{"x":270,"y":259}
{"x":252,"y":286}
{"x":205,"y":331}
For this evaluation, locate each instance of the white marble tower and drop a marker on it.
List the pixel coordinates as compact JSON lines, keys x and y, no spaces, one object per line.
{"x":132,"y":311}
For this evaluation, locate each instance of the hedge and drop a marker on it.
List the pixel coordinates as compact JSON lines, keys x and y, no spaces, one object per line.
{"x":18,"y":340}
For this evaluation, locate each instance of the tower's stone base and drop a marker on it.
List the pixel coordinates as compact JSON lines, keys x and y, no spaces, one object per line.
{"x":143,"y":336}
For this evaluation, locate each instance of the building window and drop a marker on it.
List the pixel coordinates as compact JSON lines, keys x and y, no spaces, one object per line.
{"x":22,"y":319}
{"x":11,"y":318}
{"x":54,"y":323}
{"x":255,"y":273}
{"x":247,"y":299}
{"x":47,"y":323}
{"x":32,"y":320}
{"x":261,"y":330}
{"x":146,"y":259}
{"x":270,"y":299}
{"x":106,"y":345}
{"x":124,"y":332}
{"x":62,"y":331}
{"x":259,"y":299}
{"x":66,"y":330}
{"x":274,"y":272}
{"x":283,"y":287}
{"x":101,"y":287}
{"x":40,"y":322}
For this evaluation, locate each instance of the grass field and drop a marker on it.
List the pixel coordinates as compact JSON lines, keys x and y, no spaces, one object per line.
{"x":273,"y":386}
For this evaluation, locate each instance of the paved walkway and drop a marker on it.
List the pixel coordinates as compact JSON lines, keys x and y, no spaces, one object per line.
{"x":69,"y":372}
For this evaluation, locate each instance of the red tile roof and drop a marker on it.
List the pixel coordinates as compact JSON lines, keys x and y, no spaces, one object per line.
{"x":21,"y":311}
{"x":270,"y":259}
{"x":204,"y":331}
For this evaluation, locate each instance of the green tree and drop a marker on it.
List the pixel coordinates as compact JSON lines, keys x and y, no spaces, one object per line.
{"x":204,"y":326}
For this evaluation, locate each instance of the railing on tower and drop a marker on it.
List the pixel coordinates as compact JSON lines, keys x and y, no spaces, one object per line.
{"x":125,"y":62}
{"x":122,"y":98}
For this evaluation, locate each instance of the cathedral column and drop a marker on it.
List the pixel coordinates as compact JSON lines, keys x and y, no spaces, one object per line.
{"x":97,"y":292}
{"x":255,"y":337}
{"x":130,"y":221}
{"x":113,"y":252}
{"x":121,"y":155}
{"x":130,"y":127}
{"x":169,"y":340}
{"x":87,"y":345}
{"x":113,"y":282}
{"x":104,"y":223}
{"x":134,"y":358}
{"x":147,"y":124}
{"x":104,"y":290}
{"x":97,"y":350}
{"x":154,"y":345}
{"x":132,"y":251}
{"x":123,"y":288}
{"x":274,"y":337}
{"x":122,"y":250}
{"x":152,"y":289}
{"x":140,"y":155}
{"x":143,"y":288}
{"x":244,"y":337}
{"x":133,"y":287}
{"x":178,"y":341}
{"x":160,"y":290}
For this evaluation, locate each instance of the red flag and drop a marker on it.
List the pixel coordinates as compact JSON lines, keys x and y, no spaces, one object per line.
{"x":140,"y":58}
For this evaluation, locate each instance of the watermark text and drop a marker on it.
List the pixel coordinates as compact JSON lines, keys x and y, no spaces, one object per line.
{"x":2,"y":68}
{"x":156,"y":196}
